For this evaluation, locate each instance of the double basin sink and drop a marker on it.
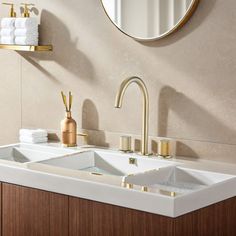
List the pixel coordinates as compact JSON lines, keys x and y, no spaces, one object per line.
{"x":164,"y":178}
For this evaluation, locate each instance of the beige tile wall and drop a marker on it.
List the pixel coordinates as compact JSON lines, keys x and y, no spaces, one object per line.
{"x":190,"y":75}
{"x":10,"y":96}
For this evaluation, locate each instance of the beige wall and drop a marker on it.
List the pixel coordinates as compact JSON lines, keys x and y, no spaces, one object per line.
{"x":190,"y":75}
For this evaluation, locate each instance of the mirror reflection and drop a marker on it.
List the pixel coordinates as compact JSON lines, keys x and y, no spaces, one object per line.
{"x":146,"y":19}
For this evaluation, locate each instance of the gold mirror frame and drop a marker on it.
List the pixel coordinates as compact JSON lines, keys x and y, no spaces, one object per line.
{"x":179,"y":25}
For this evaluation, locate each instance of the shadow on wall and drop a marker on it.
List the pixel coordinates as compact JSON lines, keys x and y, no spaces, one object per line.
{"x":90,"y":122}
{"x":190,"y":113}
{"x":184,"y":150}
{"x":33,"y":10}
{"x":203,"y":10}
{"x":65,"y":53}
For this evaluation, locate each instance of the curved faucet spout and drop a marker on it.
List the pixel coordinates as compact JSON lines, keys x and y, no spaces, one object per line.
{"x":145,"y":121}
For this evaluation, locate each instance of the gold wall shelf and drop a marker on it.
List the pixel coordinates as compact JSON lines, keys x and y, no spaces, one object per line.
{"x":27,"y":48}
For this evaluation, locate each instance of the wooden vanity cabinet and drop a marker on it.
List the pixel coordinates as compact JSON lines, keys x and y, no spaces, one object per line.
{"x":32,"y":212}
{"x":93,"y":218}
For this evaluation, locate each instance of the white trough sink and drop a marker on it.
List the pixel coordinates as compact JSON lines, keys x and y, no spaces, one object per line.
{"x":107,"y":163}
{"x":24,"y":153}
{"x":159,"y":186}
{"x":176,"y":180}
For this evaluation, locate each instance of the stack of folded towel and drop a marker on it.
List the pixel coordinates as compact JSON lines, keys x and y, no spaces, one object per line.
{"x":33,"y":136}
{"x":26,"y":31}
{"x":7,"y":31}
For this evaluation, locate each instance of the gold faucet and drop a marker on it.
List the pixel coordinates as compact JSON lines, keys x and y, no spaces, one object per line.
{"x":145,"y":121}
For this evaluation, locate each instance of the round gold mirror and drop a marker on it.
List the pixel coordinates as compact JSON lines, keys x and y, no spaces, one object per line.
{"x":147,"y":20}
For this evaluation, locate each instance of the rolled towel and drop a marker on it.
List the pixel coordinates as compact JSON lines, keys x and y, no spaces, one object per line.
{"x":7,"y":40}
{"x":26,"y":32}
{"x":7,"y":22}
{"x":26,"y":139}
{"x":7,"y":32}
{"x":26,"y":22}
{"x":26,"y":40}
{"x":35,"y":133}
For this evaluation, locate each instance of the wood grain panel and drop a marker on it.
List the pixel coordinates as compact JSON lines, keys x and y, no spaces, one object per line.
{"x":28,"y":211}
{"x":216,"y":220}
{"x":98,"y":219}
{"x":0,"y":209}
{"x":25,"y":211}
{"x":59,"y":215}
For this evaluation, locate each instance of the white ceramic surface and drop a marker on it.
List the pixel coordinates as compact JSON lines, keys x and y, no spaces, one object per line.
{"x":66,"y":175}
{"x":24,"y":153}
{"x":107,"y":162}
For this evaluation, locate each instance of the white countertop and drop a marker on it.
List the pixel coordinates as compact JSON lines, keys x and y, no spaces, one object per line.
{"x":108,"y":189}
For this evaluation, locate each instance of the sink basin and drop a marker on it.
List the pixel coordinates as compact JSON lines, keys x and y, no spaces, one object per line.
{"x":153,"y":185}
{"x":23,"y":153}
{"x":107,"y":163}
{"x":176,"y":180}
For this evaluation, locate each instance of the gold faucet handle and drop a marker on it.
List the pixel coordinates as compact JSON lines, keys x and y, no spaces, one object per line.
{"x":125,"y":144}
{"x":164,"y":148}
{"x":26,"y":9}
{"x":84,"y":136}
{"x":12,"y":12}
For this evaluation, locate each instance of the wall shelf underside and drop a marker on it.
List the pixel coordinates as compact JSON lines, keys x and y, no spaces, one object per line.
{"x":27,"y":48}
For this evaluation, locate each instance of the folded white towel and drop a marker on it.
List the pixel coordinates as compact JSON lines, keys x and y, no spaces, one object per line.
{"x":26,"y":40}
{"x":26,"y":139}
{"x":8,"y":31}
{"x":24,"y":32}
{"x":34,"y":133}
{"x":7,"y":40}
{"x":7,"y":22}
{"x":26,"y":22}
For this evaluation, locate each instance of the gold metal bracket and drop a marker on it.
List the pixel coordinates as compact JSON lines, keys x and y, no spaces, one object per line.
{"x":27,"y":48}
